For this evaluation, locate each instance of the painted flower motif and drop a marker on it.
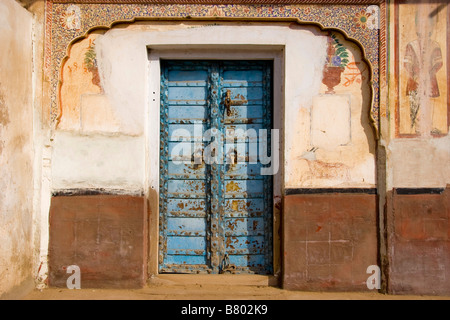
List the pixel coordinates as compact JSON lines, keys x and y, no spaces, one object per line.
{"x":90,"y":63}
{"x":215,"y":12}
{"x":71,"y":18}
{"x":136,"y":10}
{"x":326,"y":11}
{"x":307,"y":11}
{"x":337,"y":53}
{"x":336,"y":61}
{"x":361,"y":18}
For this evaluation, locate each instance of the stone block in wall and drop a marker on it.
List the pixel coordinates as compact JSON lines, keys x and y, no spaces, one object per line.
{"x":104,"y":235}
{"x":419,"y":245}
{"x":329,"y":240}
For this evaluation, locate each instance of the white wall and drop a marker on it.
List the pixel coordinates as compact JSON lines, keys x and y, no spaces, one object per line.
{"x":16,"y":147}
{"x":97,"y":161}
{"x":123,"y":63}
{"x":122,"y":57}
{"x":418,"y":163}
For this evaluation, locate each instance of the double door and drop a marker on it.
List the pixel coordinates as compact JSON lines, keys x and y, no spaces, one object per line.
{"x":215,"y":200}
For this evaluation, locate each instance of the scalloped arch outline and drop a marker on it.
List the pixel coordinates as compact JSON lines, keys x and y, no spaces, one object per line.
{"x":372,"y":120}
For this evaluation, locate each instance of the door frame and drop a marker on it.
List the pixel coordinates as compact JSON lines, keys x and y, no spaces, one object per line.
{"x":215,"y":52}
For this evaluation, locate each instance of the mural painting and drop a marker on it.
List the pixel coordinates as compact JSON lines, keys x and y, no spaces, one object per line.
{"x":83,"y":105}
{"x":337,"y":60}
{"x":422,"y":82}
{"x":343,"y":95}
{"x":341,"y":68}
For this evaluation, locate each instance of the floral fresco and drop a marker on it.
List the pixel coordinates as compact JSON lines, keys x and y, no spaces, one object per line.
{"x":337,"y":60}
{"x":90,"y":63}
{"x":71,"y":18}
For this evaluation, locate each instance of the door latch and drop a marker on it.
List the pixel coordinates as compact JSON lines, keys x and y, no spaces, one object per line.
{"x":227,"y":102}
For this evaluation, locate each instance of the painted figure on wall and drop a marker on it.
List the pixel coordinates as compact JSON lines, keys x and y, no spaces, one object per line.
{"x":423,"y":91}
{"x":423,"y":59}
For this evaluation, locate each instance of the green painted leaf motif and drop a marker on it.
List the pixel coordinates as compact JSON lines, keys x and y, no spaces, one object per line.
{"x":90,"y":58}
{"x":341,"y":50}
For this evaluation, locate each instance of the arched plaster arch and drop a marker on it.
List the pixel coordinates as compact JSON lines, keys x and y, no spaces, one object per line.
{"x":62,"y":37}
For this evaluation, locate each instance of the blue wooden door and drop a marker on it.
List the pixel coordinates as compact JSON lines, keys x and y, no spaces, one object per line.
{"x":215,"y":205}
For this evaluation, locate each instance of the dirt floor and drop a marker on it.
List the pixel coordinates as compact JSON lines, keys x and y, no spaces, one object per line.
{"x":211,"y":292}
{"x":212,"y":287}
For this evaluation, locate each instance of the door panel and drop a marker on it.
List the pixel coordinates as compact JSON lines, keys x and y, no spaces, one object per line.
{"x":247,"y":224}
{"x":189,"y":208}
{"x":187,"y":114}
{"x":244,"y":114}
{"x":215,"y":217}
{"x":242,"y":208}
{"x":183,"y":218}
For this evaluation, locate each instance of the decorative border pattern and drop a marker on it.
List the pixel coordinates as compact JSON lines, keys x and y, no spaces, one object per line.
{"x":284,"y":2}
{"x":66,"y":22}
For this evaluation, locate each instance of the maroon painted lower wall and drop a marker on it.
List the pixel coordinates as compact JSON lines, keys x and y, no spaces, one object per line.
{"x":419,"y":243}
{"x":105,"y":235}
{"x":329,"y":240}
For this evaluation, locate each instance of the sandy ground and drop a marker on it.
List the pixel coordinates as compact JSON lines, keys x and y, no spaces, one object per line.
{"x":211,"y":292}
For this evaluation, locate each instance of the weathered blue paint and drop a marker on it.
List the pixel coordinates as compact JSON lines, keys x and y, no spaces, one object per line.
{"x":214,"y":217}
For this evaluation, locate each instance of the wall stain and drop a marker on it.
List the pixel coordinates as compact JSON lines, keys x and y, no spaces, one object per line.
{"x":4,"y":116}
{"x":324,"y":170}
